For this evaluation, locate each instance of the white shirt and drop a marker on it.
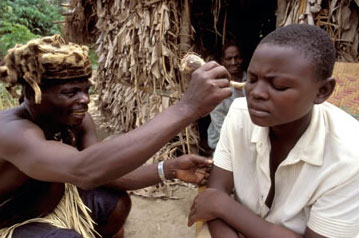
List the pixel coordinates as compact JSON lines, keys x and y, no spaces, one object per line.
{"x":316,"y":185}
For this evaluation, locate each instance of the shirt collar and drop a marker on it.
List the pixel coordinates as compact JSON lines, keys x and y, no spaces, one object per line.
{"x":310,"y":146}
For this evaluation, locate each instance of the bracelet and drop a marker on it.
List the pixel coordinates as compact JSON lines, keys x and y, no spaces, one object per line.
{"x":161,"y":173}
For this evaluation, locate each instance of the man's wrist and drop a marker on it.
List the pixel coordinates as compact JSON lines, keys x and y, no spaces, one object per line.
{"x":187,"y":110}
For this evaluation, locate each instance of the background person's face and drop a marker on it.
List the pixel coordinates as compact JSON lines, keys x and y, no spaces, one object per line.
{"x":232,"y":60}
{"x":281,"y":85}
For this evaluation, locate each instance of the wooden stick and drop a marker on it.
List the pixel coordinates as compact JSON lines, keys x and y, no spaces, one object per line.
{"x":237,"y":85}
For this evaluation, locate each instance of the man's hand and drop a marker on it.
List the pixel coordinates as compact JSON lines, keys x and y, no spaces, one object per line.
{"x":209,"y":85}
{"x":190,"y":168}
{"x":205,"y":204}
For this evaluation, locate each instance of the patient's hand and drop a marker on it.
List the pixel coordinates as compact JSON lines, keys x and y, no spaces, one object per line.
{"x":206,"y":205}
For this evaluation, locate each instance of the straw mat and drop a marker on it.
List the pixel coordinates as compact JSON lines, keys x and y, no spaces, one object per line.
{"x":346,"y":93}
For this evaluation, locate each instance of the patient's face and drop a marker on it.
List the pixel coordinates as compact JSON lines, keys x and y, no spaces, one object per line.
{"x":281,"y":87}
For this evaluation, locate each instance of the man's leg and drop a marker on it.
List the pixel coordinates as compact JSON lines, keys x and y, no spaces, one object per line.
{"x":110,"y":209}
{"x":114,"y":226}
{"x":43,"y":230}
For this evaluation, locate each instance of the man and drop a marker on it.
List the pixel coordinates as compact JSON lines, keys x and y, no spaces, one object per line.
{"x":55,"y":177}
{"x":232,"y":60}
{"x":290,"y":157}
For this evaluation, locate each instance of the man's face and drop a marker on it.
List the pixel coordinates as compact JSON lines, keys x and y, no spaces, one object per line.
{"x":66,"y":103}
{"x":281,"y":85}
{"x":232,"y":60}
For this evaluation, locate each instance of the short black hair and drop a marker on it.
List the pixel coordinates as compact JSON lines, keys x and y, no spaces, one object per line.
{"x":312,"y":41}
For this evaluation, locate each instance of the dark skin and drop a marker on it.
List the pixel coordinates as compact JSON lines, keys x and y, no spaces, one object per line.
{"x":232,"y":60}
{"x":28,"y":152}
{"x":281,"y":91}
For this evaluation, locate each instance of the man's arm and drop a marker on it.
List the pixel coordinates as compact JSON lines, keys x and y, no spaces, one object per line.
{"x":23,"y":144}
{"x":188,"y":168}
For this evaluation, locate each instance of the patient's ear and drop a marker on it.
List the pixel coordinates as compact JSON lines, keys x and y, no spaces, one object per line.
{"x":325,"y":90}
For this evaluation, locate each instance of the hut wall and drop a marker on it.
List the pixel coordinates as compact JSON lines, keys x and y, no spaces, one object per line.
{"x":340,"y":18}
{"x":139,"y":54}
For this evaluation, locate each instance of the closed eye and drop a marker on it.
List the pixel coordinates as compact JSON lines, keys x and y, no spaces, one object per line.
{"x":280,"y":88}
{"x":251,"y":78}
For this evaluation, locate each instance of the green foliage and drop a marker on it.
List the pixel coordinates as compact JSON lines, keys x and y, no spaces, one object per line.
{"x":6,"y":101}
{"x":93,"y":57}
{"x":37,"y":15}
{"x":22,"y":20}
{"x":10,"y":34}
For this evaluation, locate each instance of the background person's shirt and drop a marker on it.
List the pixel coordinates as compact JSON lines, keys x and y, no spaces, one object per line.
{"x":316,"y":185}
{"x":219,"y":113}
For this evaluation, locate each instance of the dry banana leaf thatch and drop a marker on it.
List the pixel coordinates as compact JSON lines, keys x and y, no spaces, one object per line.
{"x":80,"y":21}
{"x":340,"y":18}
{"x":140,"y":44}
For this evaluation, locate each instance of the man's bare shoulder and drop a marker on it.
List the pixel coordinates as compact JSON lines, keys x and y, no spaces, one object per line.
{"x":15,"y":116}
{"x":14,"y":123}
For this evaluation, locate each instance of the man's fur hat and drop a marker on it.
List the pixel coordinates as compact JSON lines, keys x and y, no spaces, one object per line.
{"x":44,"y":59}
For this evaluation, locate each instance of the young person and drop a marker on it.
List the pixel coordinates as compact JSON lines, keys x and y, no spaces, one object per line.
{"x":55,"y":176}
{"x":291,"y":158}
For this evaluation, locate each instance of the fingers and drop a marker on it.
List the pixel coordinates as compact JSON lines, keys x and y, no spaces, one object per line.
{"x":203,"y":182}
{"x":220,"y":83}
{"x":190,"y":221}
{"x":202,"y":175}
{"x":208,"y":86}
{"x":208,"y":66}
{"x":200,"y":160}
{"x":214,"y":70}
{"x":219,"y":72}
{"x":192,"y":216}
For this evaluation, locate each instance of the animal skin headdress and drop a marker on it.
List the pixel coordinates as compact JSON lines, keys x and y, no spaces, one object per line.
{"x":43,"y":59}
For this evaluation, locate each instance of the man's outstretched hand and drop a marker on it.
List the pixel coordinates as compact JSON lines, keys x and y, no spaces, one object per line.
{"x":190,"y":168}
{"x":209,"y":85}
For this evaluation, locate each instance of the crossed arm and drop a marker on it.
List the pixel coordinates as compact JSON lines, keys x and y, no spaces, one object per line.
{"x":228,"y":218}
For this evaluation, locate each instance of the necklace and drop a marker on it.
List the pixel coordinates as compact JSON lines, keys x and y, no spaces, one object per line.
{"x":65,"y":136}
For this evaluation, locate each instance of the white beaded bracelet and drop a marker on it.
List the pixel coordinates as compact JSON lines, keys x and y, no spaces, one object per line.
{"x":161,"y":173}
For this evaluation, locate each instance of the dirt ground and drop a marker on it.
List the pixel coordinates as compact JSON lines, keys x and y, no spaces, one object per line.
{"x":159,"y":218}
